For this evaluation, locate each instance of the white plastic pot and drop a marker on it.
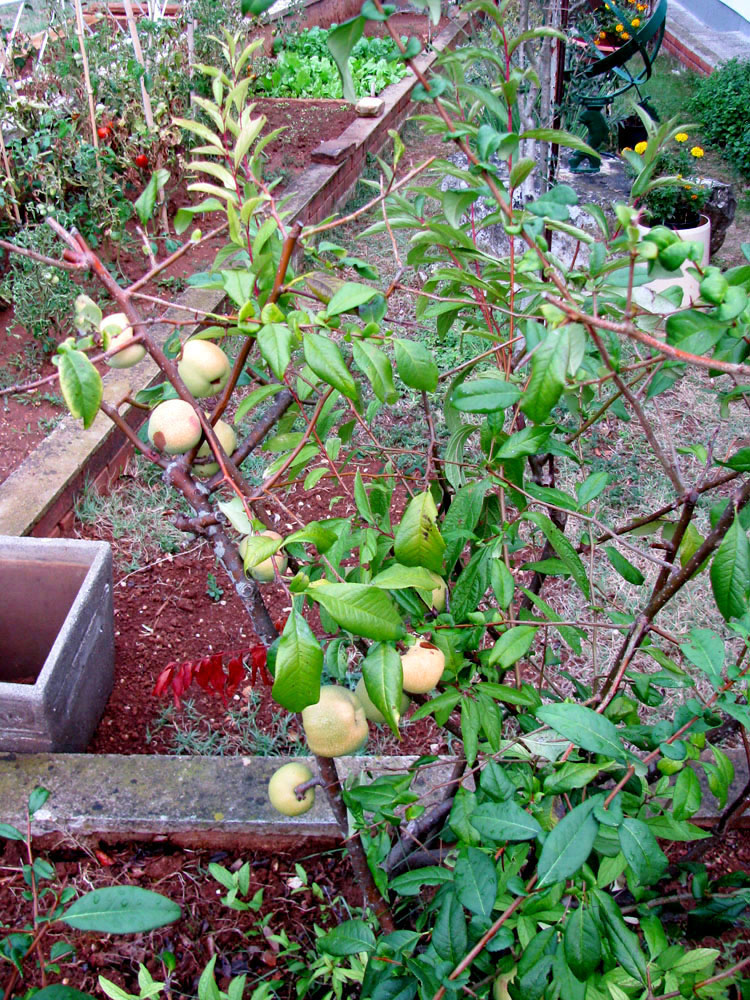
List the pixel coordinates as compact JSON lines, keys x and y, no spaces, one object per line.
{"x":685,"y":277}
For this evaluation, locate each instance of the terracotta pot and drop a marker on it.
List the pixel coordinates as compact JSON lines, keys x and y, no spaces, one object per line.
{"x":685,"y":276}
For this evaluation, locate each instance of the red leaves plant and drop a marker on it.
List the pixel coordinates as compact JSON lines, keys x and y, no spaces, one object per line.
{"x":220,"y":673}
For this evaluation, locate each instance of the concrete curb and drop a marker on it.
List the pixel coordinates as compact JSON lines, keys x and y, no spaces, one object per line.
{"x":191,"y":801}
{"x":698,"y":46}
{"x":206,"y":801}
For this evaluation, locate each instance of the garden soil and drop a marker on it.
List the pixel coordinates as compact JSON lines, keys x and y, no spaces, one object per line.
{"x":165,"y":613}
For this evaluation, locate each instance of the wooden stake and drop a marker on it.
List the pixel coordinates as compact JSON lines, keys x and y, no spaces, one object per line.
{"x":87,"y":78}
{"x":146,"y":99}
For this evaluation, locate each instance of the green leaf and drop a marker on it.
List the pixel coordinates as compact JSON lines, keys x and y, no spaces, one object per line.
{"x":529,"y":441}
{"x":570,"y":776}
{"x":705,"y":651}
{"x":416,"y":366}
{"x":562,"y":547}
{"x":456,"y":203}
{"x":325,"y":359}
{"x":502,"y":582}
{"x":360,"y":609}
{"x":418,"y":541}
{"x":623,"y":942}
{"x":59,"y":992}
{"x":686,"y":797}
{"x":340,"y":41}
{"x":80,"y":384}
{"x":730,"y":572}
{"x":501,"y":821}
{"x":568,"y":845}
{"x":398,"y":577}
{"x":349,"y":938}
{"x":485,"y":395}
{"x":374,"y":364}
{"x":449,"y":937}
{"x":146,"y":202}
{"x":10,"y":832}
{"x":624,"y":567}
{"x":583,"y":727}
{"x":383,"y":676}
{"x":740,"y":461}
{"x":275,"y":341}
{"x":37,"y":798}
{"x":495,"y":783}
{"x":512,"y":645}
{"x":255,"y":7}
{"x":643,"y":854}
{"x":410,"y":883}
{"x":549,"y":366}
{"x":475,"y":879}
{"x":591,"y":487}
{"x":582,"y":943}
{"x":255,"y":398}
{"x":299,"y":665}
{"x":121,"y":909}
{"x":350,"y":296}
{"x":470,"y":726}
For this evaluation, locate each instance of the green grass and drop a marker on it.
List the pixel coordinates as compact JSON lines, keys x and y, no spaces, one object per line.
{"x":134,"y":512}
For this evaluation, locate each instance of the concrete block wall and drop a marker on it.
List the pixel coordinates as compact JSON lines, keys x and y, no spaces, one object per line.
{"x":74,"y":657}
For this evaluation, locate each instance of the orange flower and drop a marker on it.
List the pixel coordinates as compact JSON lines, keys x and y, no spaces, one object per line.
{"x":636,"y":22}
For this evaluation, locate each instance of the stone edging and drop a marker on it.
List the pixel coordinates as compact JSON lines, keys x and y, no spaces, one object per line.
{"x":204,"y":801}
{"x":188,"y":800}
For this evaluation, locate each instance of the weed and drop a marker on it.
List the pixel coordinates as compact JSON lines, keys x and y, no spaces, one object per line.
{"x":214,"y":591}
{"x":237,"y":732}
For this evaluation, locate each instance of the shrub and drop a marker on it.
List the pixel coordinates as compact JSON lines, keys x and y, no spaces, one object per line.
{"x":721,"y":107}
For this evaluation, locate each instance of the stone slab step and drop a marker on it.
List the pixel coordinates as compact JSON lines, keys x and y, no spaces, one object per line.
{"x":192,"y":801}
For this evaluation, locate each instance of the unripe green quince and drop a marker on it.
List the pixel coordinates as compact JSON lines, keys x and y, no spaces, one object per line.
{"x":204,"y":368}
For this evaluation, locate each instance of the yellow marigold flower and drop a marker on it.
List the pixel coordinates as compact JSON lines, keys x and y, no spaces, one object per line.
{"x":635,"y":22}
{"x":641,"y":7}
{"x":626,"y":149}
{"x":624,"y":36}
{"x":681,"y":137}
{"x":697,"y":152}
{"x":618,"y":27}
{"x":640,"y":147}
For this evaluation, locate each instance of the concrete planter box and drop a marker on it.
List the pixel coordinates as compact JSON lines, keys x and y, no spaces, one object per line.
{"x":56,"y":642}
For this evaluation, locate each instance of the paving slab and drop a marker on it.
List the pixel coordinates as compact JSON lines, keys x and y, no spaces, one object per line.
{"x":200,"y":801}
{"x":705,"y":38}
{"x":188,"y":800}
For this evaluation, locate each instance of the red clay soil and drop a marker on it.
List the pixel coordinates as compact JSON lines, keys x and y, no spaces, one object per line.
{"x":164,"y":614}
{"x":242,"y":941}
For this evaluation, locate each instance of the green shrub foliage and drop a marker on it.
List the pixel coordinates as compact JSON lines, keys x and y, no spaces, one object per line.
{"x":721,"y":104}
